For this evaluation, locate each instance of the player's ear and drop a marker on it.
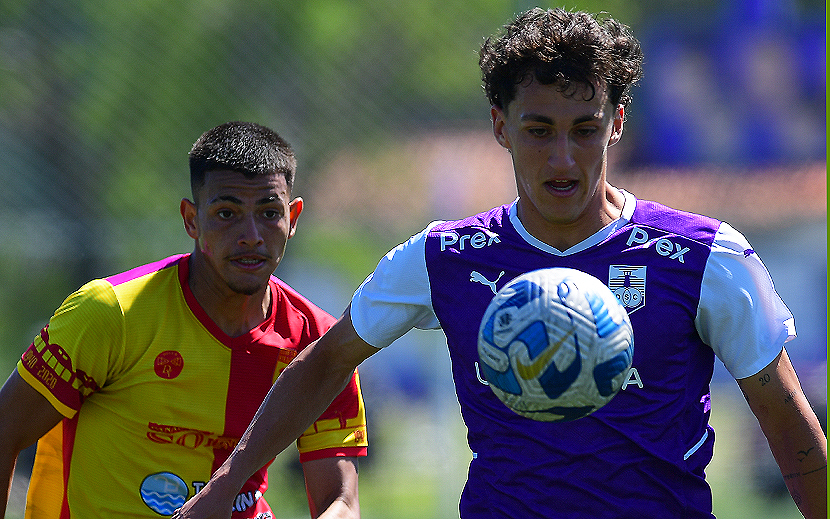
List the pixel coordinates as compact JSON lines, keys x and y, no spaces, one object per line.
{"x":498,"y":117}
{"x":188,"y":210}
{"x":617,"y":126}
{"x":295,"y":207}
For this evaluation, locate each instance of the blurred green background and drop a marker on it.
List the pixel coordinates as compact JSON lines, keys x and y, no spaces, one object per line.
{"x":102,"y":99}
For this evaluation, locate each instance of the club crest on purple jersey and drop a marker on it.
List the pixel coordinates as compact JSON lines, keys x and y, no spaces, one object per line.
{"x":628,"y":283}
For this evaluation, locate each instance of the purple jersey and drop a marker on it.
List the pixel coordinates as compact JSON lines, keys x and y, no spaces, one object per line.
{"x":645,"y":452}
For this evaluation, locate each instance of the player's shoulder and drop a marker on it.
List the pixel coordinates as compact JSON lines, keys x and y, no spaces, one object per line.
{"x":145,"y":286}
{"x":127,"y":284}
{"x":284,"y":289}
{"x":297,"y":304}
{"x":676,"y":221}
{"x":95,"y":306}
{"x":95,"y":293}
{"x":145,"y":271}
{"x":492,"y":218}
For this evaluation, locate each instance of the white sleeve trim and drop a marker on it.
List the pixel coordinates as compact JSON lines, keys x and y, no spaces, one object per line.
{"x":740,"y":315}
{"x":396,"y":297}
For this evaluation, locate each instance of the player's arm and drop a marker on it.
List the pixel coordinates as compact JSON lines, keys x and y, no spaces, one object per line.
{"x":299,"y":396}
{"x":793,"y":432}
{"x":25,"y":416}
{"x":331,"y":484}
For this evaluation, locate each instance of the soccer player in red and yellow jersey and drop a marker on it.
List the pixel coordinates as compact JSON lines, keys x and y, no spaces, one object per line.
{"x":142,"y":383}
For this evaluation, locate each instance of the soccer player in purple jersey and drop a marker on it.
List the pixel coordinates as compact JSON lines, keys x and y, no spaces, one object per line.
{"x":559,"y":83}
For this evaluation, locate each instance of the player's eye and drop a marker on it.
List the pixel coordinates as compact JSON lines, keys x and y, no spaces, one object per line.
{"x":271,"y":214}
{"x":224,"y":214}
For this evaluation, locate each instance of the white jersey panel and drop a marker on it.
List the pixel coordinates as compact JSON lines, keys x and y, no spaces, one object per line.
{"x":396,"y":297}
{"x":740,"y":315}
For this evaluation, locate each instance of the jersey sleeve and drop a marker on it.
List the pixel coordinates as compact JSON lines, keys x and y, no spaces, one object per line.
{"x":340,"y":430}
{"x":396,"y":297}
{"x":78,"y":350}
{"x":740,"y":314}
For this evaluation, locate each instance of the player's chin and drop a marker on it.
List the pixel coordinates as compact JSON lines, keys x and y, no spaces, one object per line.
{"x":249,"y":284}
{"x":246,"y":289}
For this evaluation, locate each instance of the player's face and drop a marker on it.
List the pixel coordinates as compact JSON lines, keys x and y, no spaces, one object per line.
{"x":559,"y":148}
{"x":241,"y":227}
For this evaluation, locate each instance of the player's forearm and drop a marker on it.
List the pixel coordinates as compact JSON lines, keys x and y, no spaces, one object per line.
{"x":5,"y":483}
{"x":8,"y":458}
{"x":341,"y":510}
{"x":332,"y":487}
{"x":809,"y":491}
{"x":25,"y":416}
{"x":801,"y":454}
{"x":793,"y":433}
{"x":8,"y":451}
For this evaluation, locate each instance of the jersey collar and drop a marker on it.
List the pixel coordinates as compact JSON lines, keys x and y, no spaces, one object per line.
{"x":598,"y":237}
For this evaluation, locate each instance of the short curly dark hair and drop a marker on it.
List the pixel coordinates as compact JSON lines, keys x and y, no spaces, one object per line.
{"x":564,"y":48}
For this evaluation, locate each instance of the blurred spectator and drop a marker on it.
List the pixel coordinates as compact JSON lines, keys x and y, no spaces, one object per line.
{"x":743,"y":85}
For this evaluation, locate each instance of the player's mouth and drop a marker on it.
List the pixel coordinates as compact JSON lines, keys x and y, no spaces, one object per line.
{"x":249,"y":262}
{"x":561,"y":187}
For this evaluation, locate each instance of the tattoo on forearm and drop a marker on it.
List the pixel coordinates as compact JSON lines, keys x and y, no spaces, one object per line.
{"x":824,"y":467}
{"x":794,"y":475}
{"x":803,"y":454}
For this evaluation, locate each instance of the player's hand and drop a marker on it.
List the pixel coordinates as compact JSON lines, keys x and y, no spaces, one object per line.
{"x":203,"y":506}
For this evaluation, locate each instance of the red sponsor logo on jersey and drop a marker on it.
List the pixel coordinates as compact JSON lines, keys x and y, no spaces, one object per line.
{"x":190,"y":438}
{"x":168,"y":364}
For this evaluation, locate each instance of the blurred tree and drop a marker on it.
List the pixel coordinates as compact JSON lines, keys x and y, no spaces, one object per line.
{"x":102,"y":99}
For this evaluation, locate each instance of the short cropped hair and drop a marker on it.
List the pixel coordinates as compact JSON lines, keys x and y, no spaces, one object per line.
{"x":563,"y":48}
{"x":248,"y":148}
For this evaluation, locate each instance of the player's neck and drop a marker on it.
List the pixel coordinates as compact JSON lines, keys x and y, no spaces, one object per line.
{"x":563,"y":234}
{"x":239,"y":317}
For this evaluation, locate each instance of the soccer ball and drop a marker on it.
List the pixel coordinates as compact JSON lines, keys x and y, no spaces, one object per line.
{"x":555,"y":344}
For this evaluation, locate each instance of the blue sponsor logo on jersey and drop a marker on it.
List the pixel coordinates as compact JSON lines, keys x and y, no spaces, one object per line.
{"x":163,"y":492}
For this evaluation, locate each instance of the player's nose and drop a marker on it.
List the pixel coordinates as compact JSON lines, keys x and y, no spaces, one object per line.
{"x":560,"y":156}
{"x":249,"y":233}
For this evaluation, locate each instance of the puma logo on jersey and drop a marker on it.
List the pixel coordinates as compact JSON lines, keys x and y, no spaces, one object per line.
{"x":477,"y":277}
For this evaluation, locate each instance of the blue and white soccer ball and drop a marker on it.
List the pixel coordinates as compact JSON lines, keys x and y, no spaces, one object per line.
{"x":555,"y":344}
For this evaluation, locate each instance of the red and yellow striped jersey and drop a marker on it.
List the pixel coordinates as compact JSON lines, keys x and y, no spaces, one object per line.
{"x":156,"y":396}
